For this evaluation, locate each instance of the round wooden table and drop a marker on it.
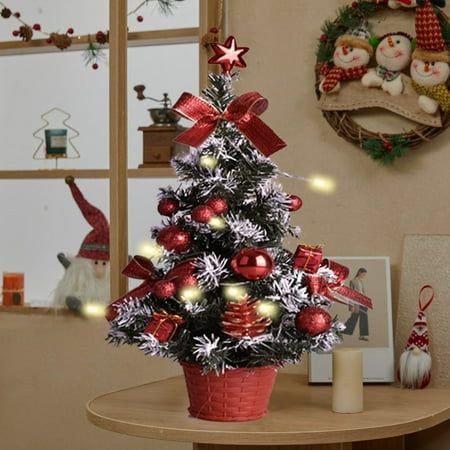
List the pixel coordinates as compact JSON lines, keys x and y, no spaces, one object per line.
{"x":299,"y":417}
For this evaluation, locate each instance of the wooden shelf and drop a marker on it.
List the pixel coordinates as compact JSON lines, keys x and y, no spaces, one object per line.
{"x":13,"y":309}
{"x":52,"y":174}
{"x":49,"y":174}
{"x":135,"y":39}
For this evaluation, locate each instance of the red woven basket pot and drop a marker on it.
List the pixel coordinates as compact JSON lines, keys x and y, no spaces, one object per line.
{"x":234,"y":396}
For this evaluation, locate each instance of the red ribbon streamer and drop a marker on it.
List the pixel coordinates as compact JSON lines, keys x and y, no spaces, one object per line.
{"x":243,"y":111}
{"x":336,"y":291}
{"x":142,"y":268}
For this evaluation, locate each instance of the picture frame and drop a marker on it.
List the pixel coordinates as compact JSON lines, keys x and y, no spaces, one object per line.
{"x":370,"y":330}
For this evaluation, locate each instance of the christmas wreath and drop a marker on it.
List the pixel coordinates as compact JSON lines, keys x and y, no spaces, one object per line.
{"x":358,"y":69}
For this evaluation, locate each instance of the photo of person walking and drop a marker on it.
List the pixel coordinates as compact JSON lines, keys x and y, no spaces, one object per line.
{"x":358,"y":313}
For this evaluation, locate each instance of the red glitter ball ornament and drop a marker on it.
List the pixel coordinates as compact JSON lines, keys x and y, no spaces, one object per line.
{"x":218,"y":204}
{"x":296,"y":203}
{"x":313,"y":321}
{"x":175,"y":239}
{"x":95,"y":66}
{"x":36,"y":27}
{"x":140,"y":18}
{"x":202,"y":213}
{"x":186,"y":280}
{"x":252,"y":263}
{"x":164,"y":289}
{"x":168,"y":206}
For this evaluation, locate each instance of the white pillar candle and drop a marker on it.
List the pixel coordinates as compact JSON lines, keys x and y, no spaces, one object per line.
{"x":347,"y":381}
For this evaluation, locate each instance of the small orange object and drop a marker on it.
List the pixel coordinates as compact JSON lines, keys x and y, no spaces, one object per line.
{"x":13,"y":288}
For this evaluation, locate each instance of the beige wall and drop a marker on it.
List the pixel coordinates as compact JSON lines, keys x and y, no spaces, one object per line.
{"x":50,"y":367}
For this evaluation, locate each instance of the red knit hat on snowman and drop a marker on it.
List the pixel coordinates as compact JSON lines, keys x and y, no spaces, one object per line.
{"x":96,"y":243}
{"x":415,"y":361}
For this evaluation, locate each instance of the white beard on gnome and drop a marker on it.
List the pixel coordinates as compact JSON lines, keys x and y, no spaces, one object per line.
{"x":429,"y":73}
{"x":415,"y":367}
{"x":395,"y":4}
{"x":394,"y":54}
{"x":86,"y":280}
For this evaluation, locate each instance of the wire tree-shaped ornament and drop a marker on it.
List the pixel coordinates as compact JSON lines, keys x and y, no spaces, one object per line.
{"x":56,"y":140}
{"x":226,"y":299}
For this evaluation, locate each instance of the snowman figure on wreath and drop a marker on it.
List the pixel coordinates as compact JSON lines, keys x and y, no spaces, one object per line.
{"x":351,"y":57}
{"x":430,"y":67}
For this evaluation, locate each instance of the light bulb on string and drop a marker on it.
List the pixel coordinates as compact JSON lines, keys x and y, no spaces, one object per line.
{"x":93,"y":309}
{"x":190,"y":294}
{"x":217,"y":223}
{"x":208,"y":162}
{"x":234,"y":292}
{"x":266,"y":308}
{"x":150,"y":250}
{"x":322,"y":183}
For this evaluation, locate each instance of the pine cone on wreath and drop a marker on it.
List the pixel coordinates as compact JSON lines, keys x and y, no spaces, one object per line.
{"x":26,"y":33}
{"x":61,"y":41}
{"x":241,"y":319}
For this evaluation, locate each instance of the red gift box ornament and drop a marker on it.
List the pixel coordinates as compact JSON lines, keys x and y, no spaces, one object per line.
{"x":243,"y":111}
{"x":163,"y":326}
{"x":308,"y":258}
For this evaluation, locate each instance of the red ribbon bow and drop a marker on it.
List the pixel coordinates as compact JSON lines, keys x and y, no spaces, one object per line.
{"x":142,"y":268}
{"x":336,"y":291}
{"x":243,"y":111}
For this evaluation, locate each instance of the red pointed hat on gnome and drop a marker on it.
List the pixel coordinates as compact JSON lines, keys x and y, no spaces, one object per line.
{"x":96,"y":242}
{"x":419,"y":335}
{"x":430,"y":42}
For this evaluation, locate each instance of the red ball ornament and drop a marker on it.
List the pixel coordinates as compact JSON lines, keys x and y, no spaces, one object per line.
{"x":313,"y":321}
{"x":164,"y":289}
{"x":175,"y":239}
{"x":168,"y":206}
{"x":202,"y":214}
{"x":252,"y":263}
{"x":36,"y":27}
{"x":296,"y":203}
{"x":218,"y":204}
{"x":139,"y":18}
{"x":186,"y":280}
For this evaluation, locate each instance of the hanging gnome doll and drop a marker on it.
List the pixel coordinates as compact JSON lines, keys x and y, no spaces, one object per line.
{"x":86,"y":277}
{"x":415,"y":361}
{"x":393,"y":54}
{"x":351,"y":57}
{"x":430,"y":68}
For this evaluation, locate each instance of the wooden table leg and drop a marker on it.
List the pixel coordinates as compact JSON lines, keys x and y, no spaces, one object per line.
{"x":273,"y":447}
{"x":396,"y":443}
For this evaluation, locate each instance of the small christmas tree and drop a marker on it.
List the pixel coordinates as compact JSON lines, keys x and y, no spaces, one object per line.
{"x":225,"y":294}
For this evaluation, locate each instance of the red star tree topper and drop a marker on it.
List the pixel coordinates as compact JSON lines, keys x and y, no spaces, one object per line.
{"x":228,"y":55}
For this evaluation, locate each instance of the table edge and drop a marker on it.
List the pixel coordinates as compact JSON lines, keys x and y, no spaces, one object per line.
{"x":260,"y":437}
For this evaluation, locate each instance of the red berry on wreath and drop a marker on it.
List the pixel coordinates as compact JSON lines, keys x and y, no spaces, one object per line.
{"x":17,"y":15}
{"x":252,"y":263}
{"x":139,"y":18}
{"x":214,"y":30}
{"x":323,"y":37}
{"x":36,"y":27}
{"x":202,"y":214}
{"x":70,"y":31}
{"x":313,"y":321}
{"x":168,"y":206}
{"x":296,"y":203}
{"x":95,"y":66}
{"x":218,"y":205}
{"x":387,"y":146}
{"x":164,"y":289}
{"x":15,"y":33}
{"x":355,"y":5}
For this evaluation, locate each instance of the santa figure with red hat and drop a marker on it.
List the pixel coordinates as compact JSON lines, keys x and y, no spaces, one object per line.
{"x":86,"y":278}
{"x":415,"y":362}
{"x":430,"y":67}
